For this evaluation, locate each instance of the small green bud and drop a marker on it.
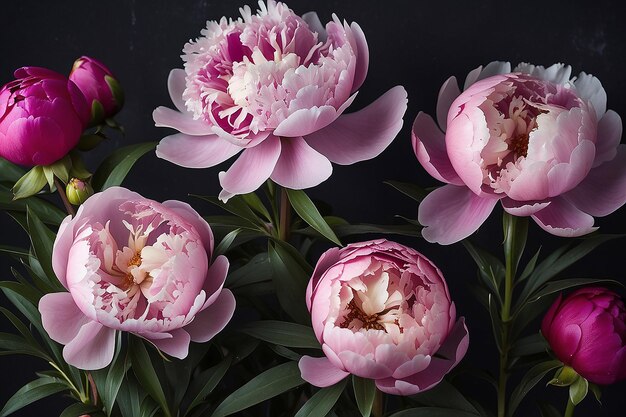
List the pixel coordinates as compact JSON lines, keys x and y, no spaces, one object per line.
{"x":78,"y":191}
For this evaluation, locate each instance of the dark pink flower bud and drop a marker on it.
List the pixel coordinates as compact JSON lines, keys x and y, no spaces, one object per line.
{"x":42,"y":115}
{"x":100,"y":88}
{"x":587,"y":331}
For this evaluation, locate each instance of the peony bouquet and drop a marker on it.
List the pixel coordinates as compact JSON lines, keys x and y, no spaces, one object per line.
{"x":257,"y":300}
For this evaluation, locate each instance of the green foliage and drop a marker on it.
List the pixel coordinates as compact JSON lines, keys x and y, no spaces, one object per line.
{"x":116,"y":166}
{"x":322,"y":401}
{"x":364,"y":394}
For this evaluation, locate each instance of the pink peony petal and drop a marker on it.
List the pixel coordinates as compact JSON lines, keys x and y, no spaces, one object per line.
{"x":62,"y":245}
{"x":471,"y":77}
{"x":92,"y":348}
{"x":195,"y":151}
{"x":451,"y":213}
{"x":176,"y":86}
{"x":494,"y":68}
{"x":314,"y":23}
{"x":176,"y":346}
{"x":562,"y":218}
{"x":320,"y":372}
{"x":183,"y":122}
{"x":60,"y":316}
{"x":556,"y":73}
{"x":590,"y":88}
{"x":604,"y":189}
{"x":447,"y":94}
{"x":609,"y":137}
{"x":215,"y":279}
{"x":213,"y":319}
{"x":306,"y":121}
{"x":190,"y":215}
{"x":253,"y":167}
{"x":362,"y":56}
{"x":523,"y":208}
{"x":429,"y":146}
{"x":300,"y":166}
{"x":361,"y":366}
{"x":364,"y":134}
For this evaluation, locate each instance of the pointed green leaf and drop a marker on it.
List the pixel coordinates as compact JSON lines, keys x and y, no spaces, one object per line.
{"x":203,"y":384}
{"x":267,"y":385}
{"x":226,"y":242}
{"x":45,"y":210}
{"x":432,"y":412}
{"x":30,"y":184}
{"x":42,"y":241}
{"x":114,"y":168}
{"x":290,"y":282}
{"x":257,"y":205}
{"x":237,"y":206}
{"x":31,"y":392}
{"x":532,"y":378}
{"x":322,"y":401}
{"x":564,"y":284}
{"x":145,"y":373}
{"x":410,"y":190}
{"x":307,"y":211}
{"x":79,"y":409}
{"x":282,"y":333}
{"x":10,"y":172}
{"x":445,"y":395}
{"x":364,"y":393}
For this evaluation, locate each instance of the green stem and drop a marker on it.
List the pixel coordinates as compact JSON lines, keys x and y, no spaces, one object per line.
{"x":284,"y":226}
{"x":378,"y":405}
{"x":569,"y":410}
{"x":510,"y":226}
{"x":61,"y":190}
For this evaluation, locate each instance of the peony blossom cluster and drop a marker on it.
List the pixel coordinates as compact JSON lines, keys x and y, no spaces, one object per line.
{"x":537,"y":140}
{"x":135,"y":265}
{"x":382,"y":311}
{"x":274,"y":86}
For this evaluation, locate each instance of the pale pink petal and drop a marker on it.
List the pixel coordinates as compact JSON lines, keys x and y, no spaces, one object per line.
{"x":320,"y":372}
{"x":183,"y":122}
{"x":556,"y":73}
{"x":417,"y":364}
{"x":176,"y":346}
{"x":362,"y":56}
{"x":215,"y":279}
{"x":213,"y":319}
{"x":190,"y":215}
{"x":562,"y":218}
{"x":60,"y":316}
{"x":195,"y":151}
{"x":364,"y":134}
{"x":471,"y":77}
{"x":361,"y":366}
{"x":451,"y":213}
{"x":565,"y":176}
{"x":253,"y":167}
{"x":429,"y":146}
{"x":314,"y":23}
{"x":92,"y":348}
{"x":604,"y":189}
{"x":447,"y":94}
{"x":523,"y":208}
{"x":609,"y":137}
{"x":300,"y":166}
{"x":462,"y":151}
{"x":494,"y":68}
{"x":590,"y":88}
{"x":176,"y":86}
{"x":62,"y":245}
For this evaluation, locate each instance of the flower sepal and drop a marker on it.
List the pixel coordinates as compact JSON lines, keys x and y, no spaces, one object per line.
{"x":37,"y":177}
{"x":578,"y":385}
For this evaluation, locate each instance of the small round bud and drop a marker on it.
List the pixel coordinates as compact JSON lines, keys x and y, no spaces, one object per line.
{"x":78,"y":191}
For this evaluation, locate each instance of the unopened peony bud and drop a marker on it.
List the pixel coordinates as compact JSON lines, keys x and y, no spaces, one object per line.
{"x":100,"y":88}
{"x":78,"y":191}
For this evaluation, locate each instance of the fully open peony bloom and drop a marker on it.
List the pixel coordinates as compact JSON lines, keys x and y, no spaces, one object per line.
{"x":42,"y":115}
{"x":274,"y":85}
{"x":587,"y":331}
{"x":537,"y":140}
{"x":139,"y":266}
{"x":382,"y":311}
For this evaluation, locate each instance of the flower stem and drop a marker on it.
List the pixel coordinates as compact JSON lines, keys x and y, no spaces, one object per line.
{"x":511,"y":225}
{"x":61,"y":190}
{"x":569,"y":410}
{"x":284,"y":227}
{"x":378,"y":405}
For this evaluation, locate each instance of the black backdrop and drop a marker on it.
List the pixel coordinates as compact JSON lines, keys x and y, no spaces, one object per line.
{"x":414,"y":43}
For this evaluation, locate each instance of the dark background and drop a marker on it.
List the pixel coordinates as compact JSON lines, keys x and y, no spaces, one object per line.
{"x":414,"y":43}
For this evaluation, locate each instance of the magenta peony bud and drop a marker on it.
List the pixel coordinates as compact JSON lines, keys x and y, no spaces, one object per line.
{"x":97,"y":84}
{"x":587,"y":331}
{"x":42,"y":115}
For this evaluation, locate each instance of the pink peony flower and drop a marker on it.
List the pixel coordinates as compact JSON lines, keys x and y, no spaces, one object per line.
{"x":139,"y":266}
{"x":274,"y":85}
{"x":382,"y":311}
{"x":535,"y":139}
{"x":587,"y":331}
{"x":42,"y":115}
{"x":97,"y":83}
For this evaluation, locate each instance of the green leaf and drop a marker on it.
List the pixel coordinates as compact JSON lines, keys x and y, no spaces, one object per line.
{"x":30,"y":184}
{"x":203,"y":384}
{"x":116,"y":166}
{"x":79,"y":409}
{"x":564,"y":284}
{"x":267,"y":385}
{"x":226,"y":242}
{"x":17,"y":345}
{"x":307,"y":211}
{"x":410,"y":190}
{"x":61,"y":169}
{"x":257,"y":205}
{"x":548,"y":410}
{"x":19,"y":326}
{"x":530,"y":267}
{"x":290,"y":282}
{"x":491,"y":270}
{"x":578,"y":390}
{"x":564,"y":377}
{"x":45,"y":210}
{"x":145,"y":373}
{"x":387,"y":229}
{"x":282,"y":333}
{"x":532,"y":378}
{"x":10,"y":172}
{"x":515,"y":234}
{"x":114,"y":378}
{"x":432,"y":412}
{"x":129,"y":399}
{"x":364,"y":394}
{"x":258,"y":269}
{"x":16,"y":252}
{"x":31,"y":392}
{"x":42,"y":241}
{"x":445,"y":395}
{"x":237,"y":206}
{"x":596,"y":392}
{"x":322,"y":401}
{"x":529,"y":345}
